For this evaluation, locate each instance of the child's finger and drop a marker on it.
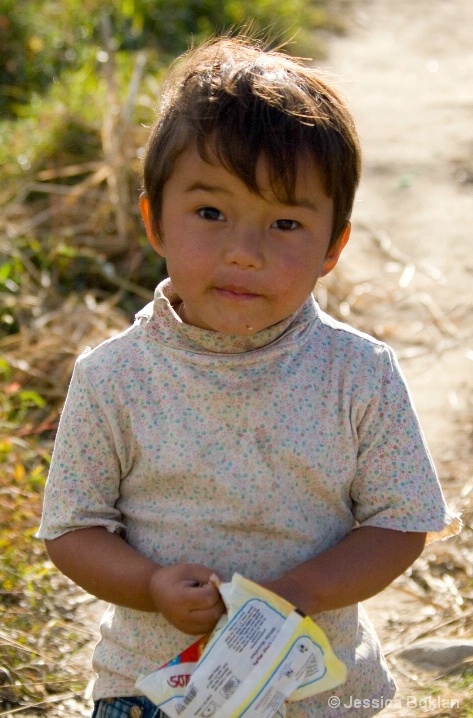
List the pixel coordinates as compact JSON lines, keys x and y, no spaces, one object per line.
{"x":201,"y":575}
{"x":203,"y":621}
{"x":204,"y":596}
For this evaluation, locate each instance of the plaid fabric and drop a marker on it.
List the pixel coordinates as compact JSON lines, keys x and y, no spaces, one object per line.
{"x":131,"y":707}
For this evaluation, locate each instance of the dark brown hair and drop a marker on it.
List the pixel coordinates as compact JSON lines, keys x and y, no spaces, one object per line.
{"x":245,"y":102}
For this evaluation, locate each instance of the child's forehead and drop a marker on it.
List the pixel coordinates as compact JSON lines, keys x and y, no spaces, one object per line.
{"x":267,"y":181}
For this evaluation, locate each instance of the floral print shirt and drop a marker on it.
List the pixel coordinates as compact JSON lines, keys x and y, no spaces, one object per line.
{"x":249,"y":454}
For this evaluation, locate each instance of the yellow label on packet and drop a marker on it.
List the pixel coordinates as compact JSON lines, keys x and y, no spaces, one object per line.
{"x":262,"y":653}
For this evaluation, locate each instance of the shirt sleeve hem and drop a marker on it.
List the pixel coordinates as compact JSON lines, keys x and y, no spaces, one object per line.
{"x":450,"y":526}
{"x":451,"y":529}
{"x":50,"y":535}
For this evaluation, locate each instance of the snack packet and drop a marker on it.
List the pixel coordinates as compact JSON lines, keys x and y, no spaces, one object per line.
{"x":261,"y":653}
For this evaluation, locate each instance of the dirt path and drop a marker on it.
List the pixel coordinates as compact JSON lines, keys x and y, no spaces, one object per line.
{"x":407,"y":70}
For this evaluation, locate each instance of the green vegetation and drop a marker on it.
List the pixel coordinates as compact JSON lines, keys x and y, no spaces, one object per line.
{"x":45,"y":43}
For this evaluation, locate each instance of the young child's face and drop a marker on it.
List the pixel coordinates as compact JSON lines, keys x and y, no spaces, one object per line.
{"x":240,"y":261}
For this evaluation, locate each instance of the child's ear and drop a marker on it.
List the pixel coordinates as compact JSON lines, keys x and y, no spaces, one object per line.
{"x":153,"y":238}
{"x":333,"y":254}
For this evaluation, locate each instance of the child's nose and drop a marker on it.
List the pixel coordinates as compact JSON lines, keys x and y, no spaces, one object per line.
{"x":245,"y":248}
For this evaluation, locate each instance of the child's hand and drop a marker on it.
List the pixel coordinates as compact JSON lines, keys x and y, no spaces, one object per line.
{"x":187,"y":598}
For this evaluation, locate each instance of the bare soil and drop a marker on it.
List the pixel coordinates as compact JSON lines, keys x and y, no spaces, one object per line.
{"x":407,"y":71}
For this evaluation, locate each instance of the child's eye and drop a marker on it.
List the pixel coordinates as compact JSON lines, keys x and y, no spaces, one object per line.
{"x":211,"y":213}
{"x":285,"y":224}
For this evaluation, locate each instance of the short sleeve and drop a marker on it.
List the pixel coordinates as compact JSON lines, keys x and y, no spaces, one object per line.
{"x":396,"y":485}
{"x":84,"y":478}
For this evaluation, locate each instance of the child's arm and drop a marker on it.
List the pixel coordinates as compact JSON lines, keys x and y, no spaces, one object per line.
{"x":361,"y":565}
{"x":107,"y":567}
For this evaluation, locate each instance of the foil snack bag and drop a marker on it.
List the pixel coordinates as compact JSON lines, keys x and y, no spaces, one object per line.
{"x":262,"y":653}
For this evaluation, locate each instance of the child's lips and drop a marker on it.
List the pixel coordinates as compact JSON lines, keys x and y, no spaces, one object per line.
{"x":236,"y":292}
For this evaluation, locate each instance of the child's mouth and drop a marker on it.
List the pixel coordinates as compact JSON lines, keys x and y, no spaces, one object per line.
{"x":236,"y":292}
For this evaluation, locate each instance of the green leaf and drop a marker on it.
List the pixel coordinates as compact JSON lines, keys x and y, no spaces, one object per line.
{"x":31,"y":397}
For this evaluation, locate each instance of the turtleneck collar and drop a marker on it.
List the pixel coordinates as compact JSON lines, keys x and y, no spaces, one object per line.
{"x":165,"y":325}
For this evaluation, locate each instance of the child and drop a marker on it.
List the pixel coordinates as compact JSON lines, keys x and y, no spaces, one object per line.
{"x":235,"y":426}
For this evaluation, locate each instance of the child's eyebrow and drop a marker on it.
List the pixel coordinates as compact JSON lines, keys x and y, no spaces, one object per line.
{"x":302,"y":202}
{"x":202,"y":187}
